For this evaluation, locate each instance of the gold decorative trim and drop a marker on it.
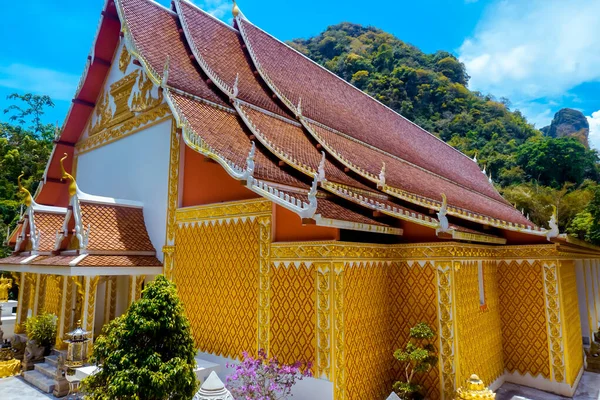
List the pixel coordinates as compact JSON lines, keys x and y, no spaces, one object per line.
{"x":129,"y":127}
{"x":168,"y":261}
{"x":139,"y":282}
{"x":339,"y":354}
{"x":553,"y":313}
{"x":324,"y":320}
{"x":173,"y":184}
{"x":264,"y":283}
{"x":124,"y":59}
{"x":446,"y":329}
{"x":143,"y":100}
{"x":245,"y":208}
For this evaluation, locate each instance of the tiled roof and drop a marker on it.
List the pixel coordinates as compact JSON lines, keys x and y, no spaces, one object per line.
{"x":48,"y":224}
{"x":119,"y":261}
{"x":15,"y":259}
{"x":331,"y":101}
{"x":156,"y":36}
{"x":58,"y":260}
{"x":115,"y":228}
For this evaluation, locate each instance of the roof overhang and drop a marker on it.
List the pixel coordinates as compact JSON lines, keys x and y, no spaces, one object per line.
{"x":82,"y":271}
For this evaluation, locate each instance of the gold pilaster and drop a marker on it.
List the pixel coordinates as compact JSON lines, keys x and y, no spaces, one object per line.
{"x":553,"y":313}
{"x":324,"y":319}
{"x":64,"y":312}
{"x":90,"y":284}
{"x":339,"y":356}
{"x":23,"y":305}
{"x":110,"y":299}
{"x":264,"y":301}
{"x":447,"y":327}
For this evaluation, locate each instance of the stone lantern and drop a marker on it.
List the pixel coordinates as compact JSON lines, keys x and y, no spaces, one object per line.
{"x":475,"y":390}
{"x":77,"y":350}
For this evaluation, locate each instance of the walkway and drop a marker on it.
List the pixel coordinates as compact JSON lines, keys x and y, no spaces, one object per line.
{"x":589,"y":389}
{"x":15,"y":388}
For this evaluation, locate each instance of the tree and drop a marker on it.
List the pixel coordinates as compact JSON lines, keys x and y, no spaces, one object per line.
{"x":417,"y":357}
{"x":147,"y":353}
{"x":22,"y":150}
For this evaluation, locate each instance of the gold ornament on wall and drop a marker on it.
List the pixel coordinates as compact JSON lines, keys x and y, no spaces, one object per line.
{"x":124,"y":60}
{"x":143,"y":100}
{"x":475,"y":389}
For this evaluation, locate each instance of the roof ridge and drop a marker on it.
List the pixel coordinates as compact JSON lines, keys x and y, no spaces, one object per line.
{"x":204,"y":12}
{"x":346,"y":82}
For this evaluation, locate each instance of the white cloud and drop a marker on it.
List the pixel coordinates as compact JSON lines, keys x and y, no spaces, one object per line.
{"x":531,"y":49}
{"x":217,"y":8}
{"x":594,"y":122}
{"x":58,"y":85}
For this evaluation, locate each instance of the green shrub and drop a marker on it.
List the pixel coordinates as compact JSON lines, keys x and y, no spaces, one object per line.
{"x":42,"y":329}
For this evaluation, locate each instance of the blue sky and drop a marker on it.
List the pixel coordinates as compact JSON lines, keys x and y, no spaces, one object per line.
{"x":541,"y":54}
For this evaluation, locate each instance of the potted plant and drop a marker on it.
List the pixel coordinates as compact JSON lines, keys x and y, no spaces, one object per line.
{"x":418,"y":356}
{"x":41,"y":330}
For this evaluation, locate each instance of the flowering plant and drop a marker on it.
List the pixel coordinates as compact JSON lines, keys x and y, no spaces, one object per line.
{"x":264,"y":378}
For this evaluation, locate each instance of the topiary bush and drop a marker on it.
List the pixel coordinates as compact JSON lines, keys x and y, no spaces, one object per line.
{"x":148,"y":352}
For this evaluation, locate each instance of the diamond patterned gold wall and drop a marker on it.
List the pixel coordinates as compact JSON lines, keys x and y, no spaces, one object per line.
{"x":367,"y":340}
{"x":216,"y":272}
{"x":523,"y":318}
{"x":479,"y":330}
{"x":413,"y":299}
{"x":572,"y":324}
{"x":293,"y":315}
{"x":52,"y":298}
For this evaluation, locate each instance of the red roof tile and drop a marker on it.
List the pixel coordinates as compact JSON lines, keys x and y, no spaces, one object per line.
{"x":119,"y":261}
{"x":115,"y":228}
{"x":331,"y":101}
{"x":156,"y":36}
{"x":53,"y":260}
{"x":48,"y":224}
{"x":13,"y":259}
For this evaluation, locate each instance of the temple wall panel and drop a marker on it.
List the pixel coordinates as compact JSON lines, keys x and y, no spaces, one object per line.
{"x":584,"y":315}
{"x":53,"y":294}
{"x":523,"y":318}
{"x":368,"y":353}
{"x":293,"y":314}
{"x":479,"y":326}
{"x":572,"y":326}
{"x":412,"y":299}
{"x":221,"y":270}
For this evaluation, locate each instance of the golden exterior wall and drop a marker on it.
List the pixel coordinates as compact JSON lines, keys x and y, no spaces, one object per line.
{"x":572,"y":326}
{"x":217,"y":279}
{"x":479,"y":329}
{"x":413,"y":299}
{"x":293,"y":315}
{"x":367,"y":330}
{"x":221,"y":264}
{"x":523,"y":317}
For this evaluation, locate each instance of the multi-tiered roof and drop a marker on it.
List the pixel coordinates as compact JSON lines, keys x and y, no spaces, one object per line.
{"x":292,"y":131}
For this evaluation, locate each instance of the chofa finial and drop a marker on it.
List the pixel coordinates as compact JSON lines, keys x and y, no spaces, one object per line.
{"x":321,"y":168}
{"x":444,"y":224}
{"x":381,"y":181}
{"x":553,"y":224}
{"x":66,"y":175}
{"x":235,"y":10}
{"x":28,"y":199}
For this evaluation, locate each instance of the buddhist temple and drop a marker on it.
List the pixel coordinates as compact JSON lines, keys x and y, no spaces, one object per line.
{"x":295,"y":214}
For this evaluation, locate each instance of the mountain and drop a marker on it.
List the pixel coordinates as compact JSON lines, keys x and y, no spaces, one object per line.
{"x":569,"y":123}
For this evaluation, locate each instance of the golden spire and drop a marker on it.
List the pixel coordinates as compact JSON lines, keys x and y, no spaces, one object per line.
{"x":28,"y":199}
{"x":66,"y":175}
{"x":235,"y":10}
{"x":475,"y":389}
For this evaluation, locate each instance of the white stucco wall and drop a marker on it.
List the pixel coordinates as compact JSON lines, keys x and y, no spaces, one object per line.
{"x":133,"y":168}
{"x":583,"y":306}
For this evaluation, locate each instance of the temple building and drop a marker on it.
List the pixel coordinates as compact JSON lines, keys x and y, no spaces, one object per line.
{"x":295,"y":214}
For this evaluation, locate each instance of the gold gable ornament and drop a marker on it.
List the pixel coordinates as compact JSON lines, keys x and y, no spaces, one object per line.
{"x":475,"y":389}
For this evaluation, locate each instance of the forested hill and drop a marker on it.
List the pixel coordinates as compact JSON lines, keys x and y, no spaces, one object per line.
{"x":532,"y":170}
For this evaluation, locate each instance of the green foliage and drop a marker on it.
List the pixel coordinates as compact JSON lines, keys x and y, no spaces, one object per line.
{"x":22,"y":150}
{"x":554,"y":162}
{"x":42,"y":329}
{"x":147,"y":353}
{"x":417,"y":357}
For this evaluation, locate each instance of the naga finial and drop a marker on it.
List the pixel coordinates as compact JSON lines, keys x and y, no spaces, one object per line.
{"x":165,"y":77}
{"x":444,"y":224}
{"x":235,"y":10}
{"x":381,"y":182}
{"x":553,"y":224}
{"x":475,"y":156}
{"x":321,"y":168}
{"x":66,"y":175}
{"x":28,"y":198}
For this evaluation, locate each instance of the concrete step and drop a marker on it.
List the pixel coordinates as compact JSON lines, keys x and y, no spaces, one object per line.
{"x":52,"y":360}
{"x":47,"y":369}
{"x":39,"y":380}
